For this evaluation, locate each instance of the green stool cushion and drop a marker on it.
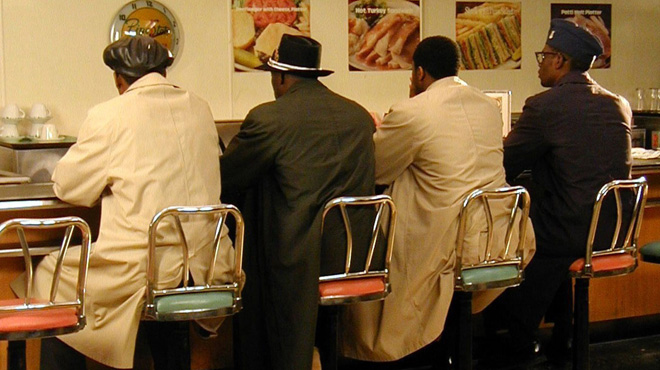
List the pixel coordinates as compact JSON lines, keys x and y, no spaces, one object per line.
{"x":651,"y":252}
{"x":193,"y":302}
{"x":489,"y":274}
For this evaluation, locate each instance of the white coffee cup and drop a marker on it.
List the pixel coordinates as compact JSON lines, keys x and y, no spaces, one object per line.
{"x":49,"y":132}
{"x":12,"y":112}
{"x":39,"y":112}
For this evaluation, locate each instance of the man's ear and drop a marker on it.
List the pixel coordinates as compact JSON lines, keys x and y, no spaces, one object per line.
{"x":421,"y":73}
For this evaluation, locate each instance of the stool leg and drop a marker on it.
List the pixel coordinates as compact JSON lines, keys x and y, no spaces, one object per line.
{"x":464,"y":343}
{"x":581,"y":325}
{"x":328,"y":336}
{"x":16,"y":355}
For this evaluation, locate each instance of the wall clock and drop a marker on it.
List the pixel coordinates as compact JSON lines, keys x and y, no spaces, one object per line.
{"x":148,"y":18}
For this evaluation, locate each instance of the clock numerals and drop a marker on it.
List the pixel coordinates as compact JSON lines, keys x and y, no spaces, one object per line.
{"x":134,"y":6}
{"x":122,"y":17}
{"x":150,"y":4}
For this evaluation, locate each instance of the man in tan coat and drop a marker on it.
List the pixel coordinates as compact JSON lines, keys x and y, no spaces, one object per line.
{"x":153,"y":146}
{"x":432,"y":150}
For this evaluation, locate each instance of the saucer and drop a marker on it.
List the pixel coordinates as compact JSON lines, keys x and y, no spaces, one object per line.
{"x":59,"y":138}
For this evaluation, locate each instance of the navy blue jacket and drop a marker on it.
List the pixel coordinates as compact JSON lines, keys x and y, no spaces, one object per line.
{"x":574,"y":138}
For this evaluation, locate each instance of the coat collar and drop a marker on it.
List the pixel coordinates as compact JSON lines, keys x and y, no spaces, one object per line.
{"x":151,"y":79}
{"x":446,"y":82}
{"x":575,"y":77}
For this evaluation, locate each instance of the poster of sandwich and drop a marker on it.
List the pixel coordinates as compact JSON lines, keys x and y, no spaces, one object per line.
{"x":597,"y":18}
{"x":258,"y":25}
{"x":382,"y":34}
{"x":488,"y":34}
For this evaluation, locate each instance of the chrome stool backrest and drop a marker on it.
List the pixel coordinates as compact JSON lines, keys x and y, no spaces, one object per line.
{"x":384,"y":222}
{"x":153,"y":294}
{"x":639,"y":189}
{"x":520,"y":202}
{"x":53,"y":304}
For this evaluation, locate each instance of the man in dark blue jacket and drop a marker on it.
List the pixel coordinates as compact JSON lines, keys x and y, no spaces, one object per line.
{"x":574,"y":137}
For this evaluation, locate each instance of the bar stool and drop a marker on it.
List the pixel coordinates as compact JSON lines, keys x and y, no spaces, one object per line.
{"x":203,"y":299}
{"x":619,"y":259}
{"x":497,"y":268}
{"x":28,"y":318}
{"x":370,"y":283}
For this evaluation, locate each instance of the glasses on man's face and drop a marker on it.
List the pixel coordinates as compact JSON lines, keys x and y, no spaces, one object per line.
{"x":540,"y":55}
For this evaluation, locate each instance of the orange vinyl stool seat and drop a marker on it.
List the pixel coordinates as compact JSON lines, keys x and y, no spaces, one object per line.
{"x":354,"y":287}
{"x":619,"y":259}
{"x":606,"y":263}
{"x":28,"y":317}
{"x":370,"y":282}
{"x":35,"y":320}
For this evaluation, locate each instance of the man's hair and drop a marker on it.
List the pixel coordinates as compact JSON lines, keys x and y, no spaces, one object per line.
{"x":438,"y":56}
{"x":131,"y":79}
{"x":579,"y":65}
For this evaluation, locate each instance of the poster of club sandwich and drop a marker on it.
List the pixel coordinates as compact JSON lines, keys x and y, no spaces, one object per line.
{"x":382,"y":34}
{"x":597,"y":18}
{"x":258,"y":25}
{"x":488,"y":34}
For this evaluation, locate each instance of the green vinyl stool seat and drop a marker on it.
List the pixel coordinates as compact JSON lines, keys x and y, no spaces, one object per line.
{"x":651,"y":252}
{"x":195,"y":302}
{"x":490,"y":275}
{"x":496,"y":266}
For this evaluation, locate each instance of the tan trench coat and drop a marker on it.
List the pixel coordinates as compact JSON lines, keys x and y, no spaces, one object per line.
{"x":433,"y":149}
{"x":152,"y":147}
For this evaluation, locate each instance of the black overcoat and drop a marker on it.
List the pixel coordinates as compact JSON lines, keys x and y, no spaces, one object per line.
{"x":290,"y":157}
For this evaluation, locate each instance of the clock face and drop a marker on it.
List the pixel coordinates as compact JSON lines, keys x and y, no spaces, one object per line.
{"x":148,"y":18}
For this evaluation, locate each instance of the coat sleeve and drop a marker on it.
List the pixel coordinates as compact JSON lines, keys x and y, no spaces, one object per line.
{"x":526,"y":143}
{"x":82,"y":174}
{"x":249,"y":154}
{"x":395,"y":145}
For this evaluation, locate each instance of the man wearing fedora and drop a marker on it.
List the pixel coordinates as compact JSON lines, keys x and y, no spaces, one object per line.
{"x":289,"y":158}
{"x":574,"y":137}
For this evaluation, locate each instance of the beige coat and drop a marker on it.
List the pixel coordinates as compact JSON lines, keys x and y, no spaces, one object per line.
{"x":433,"y":149}
{"x":152,"y":147}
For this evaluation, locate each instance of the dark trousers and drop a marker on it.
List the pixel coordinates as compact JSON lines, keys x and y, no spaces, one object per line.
{"x":521,"y":309}
{"x":168,"y":343}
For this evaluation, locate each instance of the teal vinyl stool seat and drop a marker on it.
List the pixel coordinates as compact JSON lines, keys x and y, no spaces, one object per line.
{"x":498,"y":266}
{"x":619,"y":259}
{"x":651,"y":252}
{"x":193,"y":300}
{"x":370,"y":283}
{"x":28,"y":317}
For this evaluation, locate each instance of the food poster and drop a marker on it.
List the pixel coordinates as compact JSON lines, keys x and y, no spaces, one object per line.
{"x":597,"y":18}
{"x":488,"y":34}
{"x":382,"y":34}
{"x":258,"y":25}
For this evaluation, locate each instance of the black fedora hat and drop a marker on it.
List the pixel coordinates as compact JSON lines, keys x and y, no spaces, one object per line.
{"x":298,"y":55}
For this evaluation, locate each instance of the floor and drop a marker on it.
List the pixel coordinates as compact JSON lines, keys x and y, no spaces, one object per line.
{"x":615,"y":346}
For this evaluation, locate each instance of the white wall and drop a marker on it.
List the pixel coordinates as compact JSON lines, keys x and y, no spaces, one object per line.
{"x":51,"y":52}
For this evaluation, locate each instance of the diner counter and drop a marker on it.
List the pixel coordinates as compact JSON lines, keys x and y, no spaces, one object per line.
{"x":614,"y":298}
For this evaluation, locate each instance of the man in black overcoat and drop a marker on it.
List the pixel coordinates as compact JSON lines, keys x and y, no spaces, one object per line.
{"x":574,"y":137}
{"x":289,"y":158}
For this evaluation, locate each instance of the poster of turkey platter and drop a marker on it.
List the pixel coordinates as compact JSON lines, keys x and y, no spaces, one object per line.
{"x":488,"y":34}
{"x":382,"y":34}
{"x":597,"y":18}
{"x":258,"y":25}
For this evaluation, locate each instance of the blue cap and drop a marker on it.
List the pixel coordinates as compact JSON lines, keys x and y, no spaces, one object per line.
{"x":573,"y":40}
